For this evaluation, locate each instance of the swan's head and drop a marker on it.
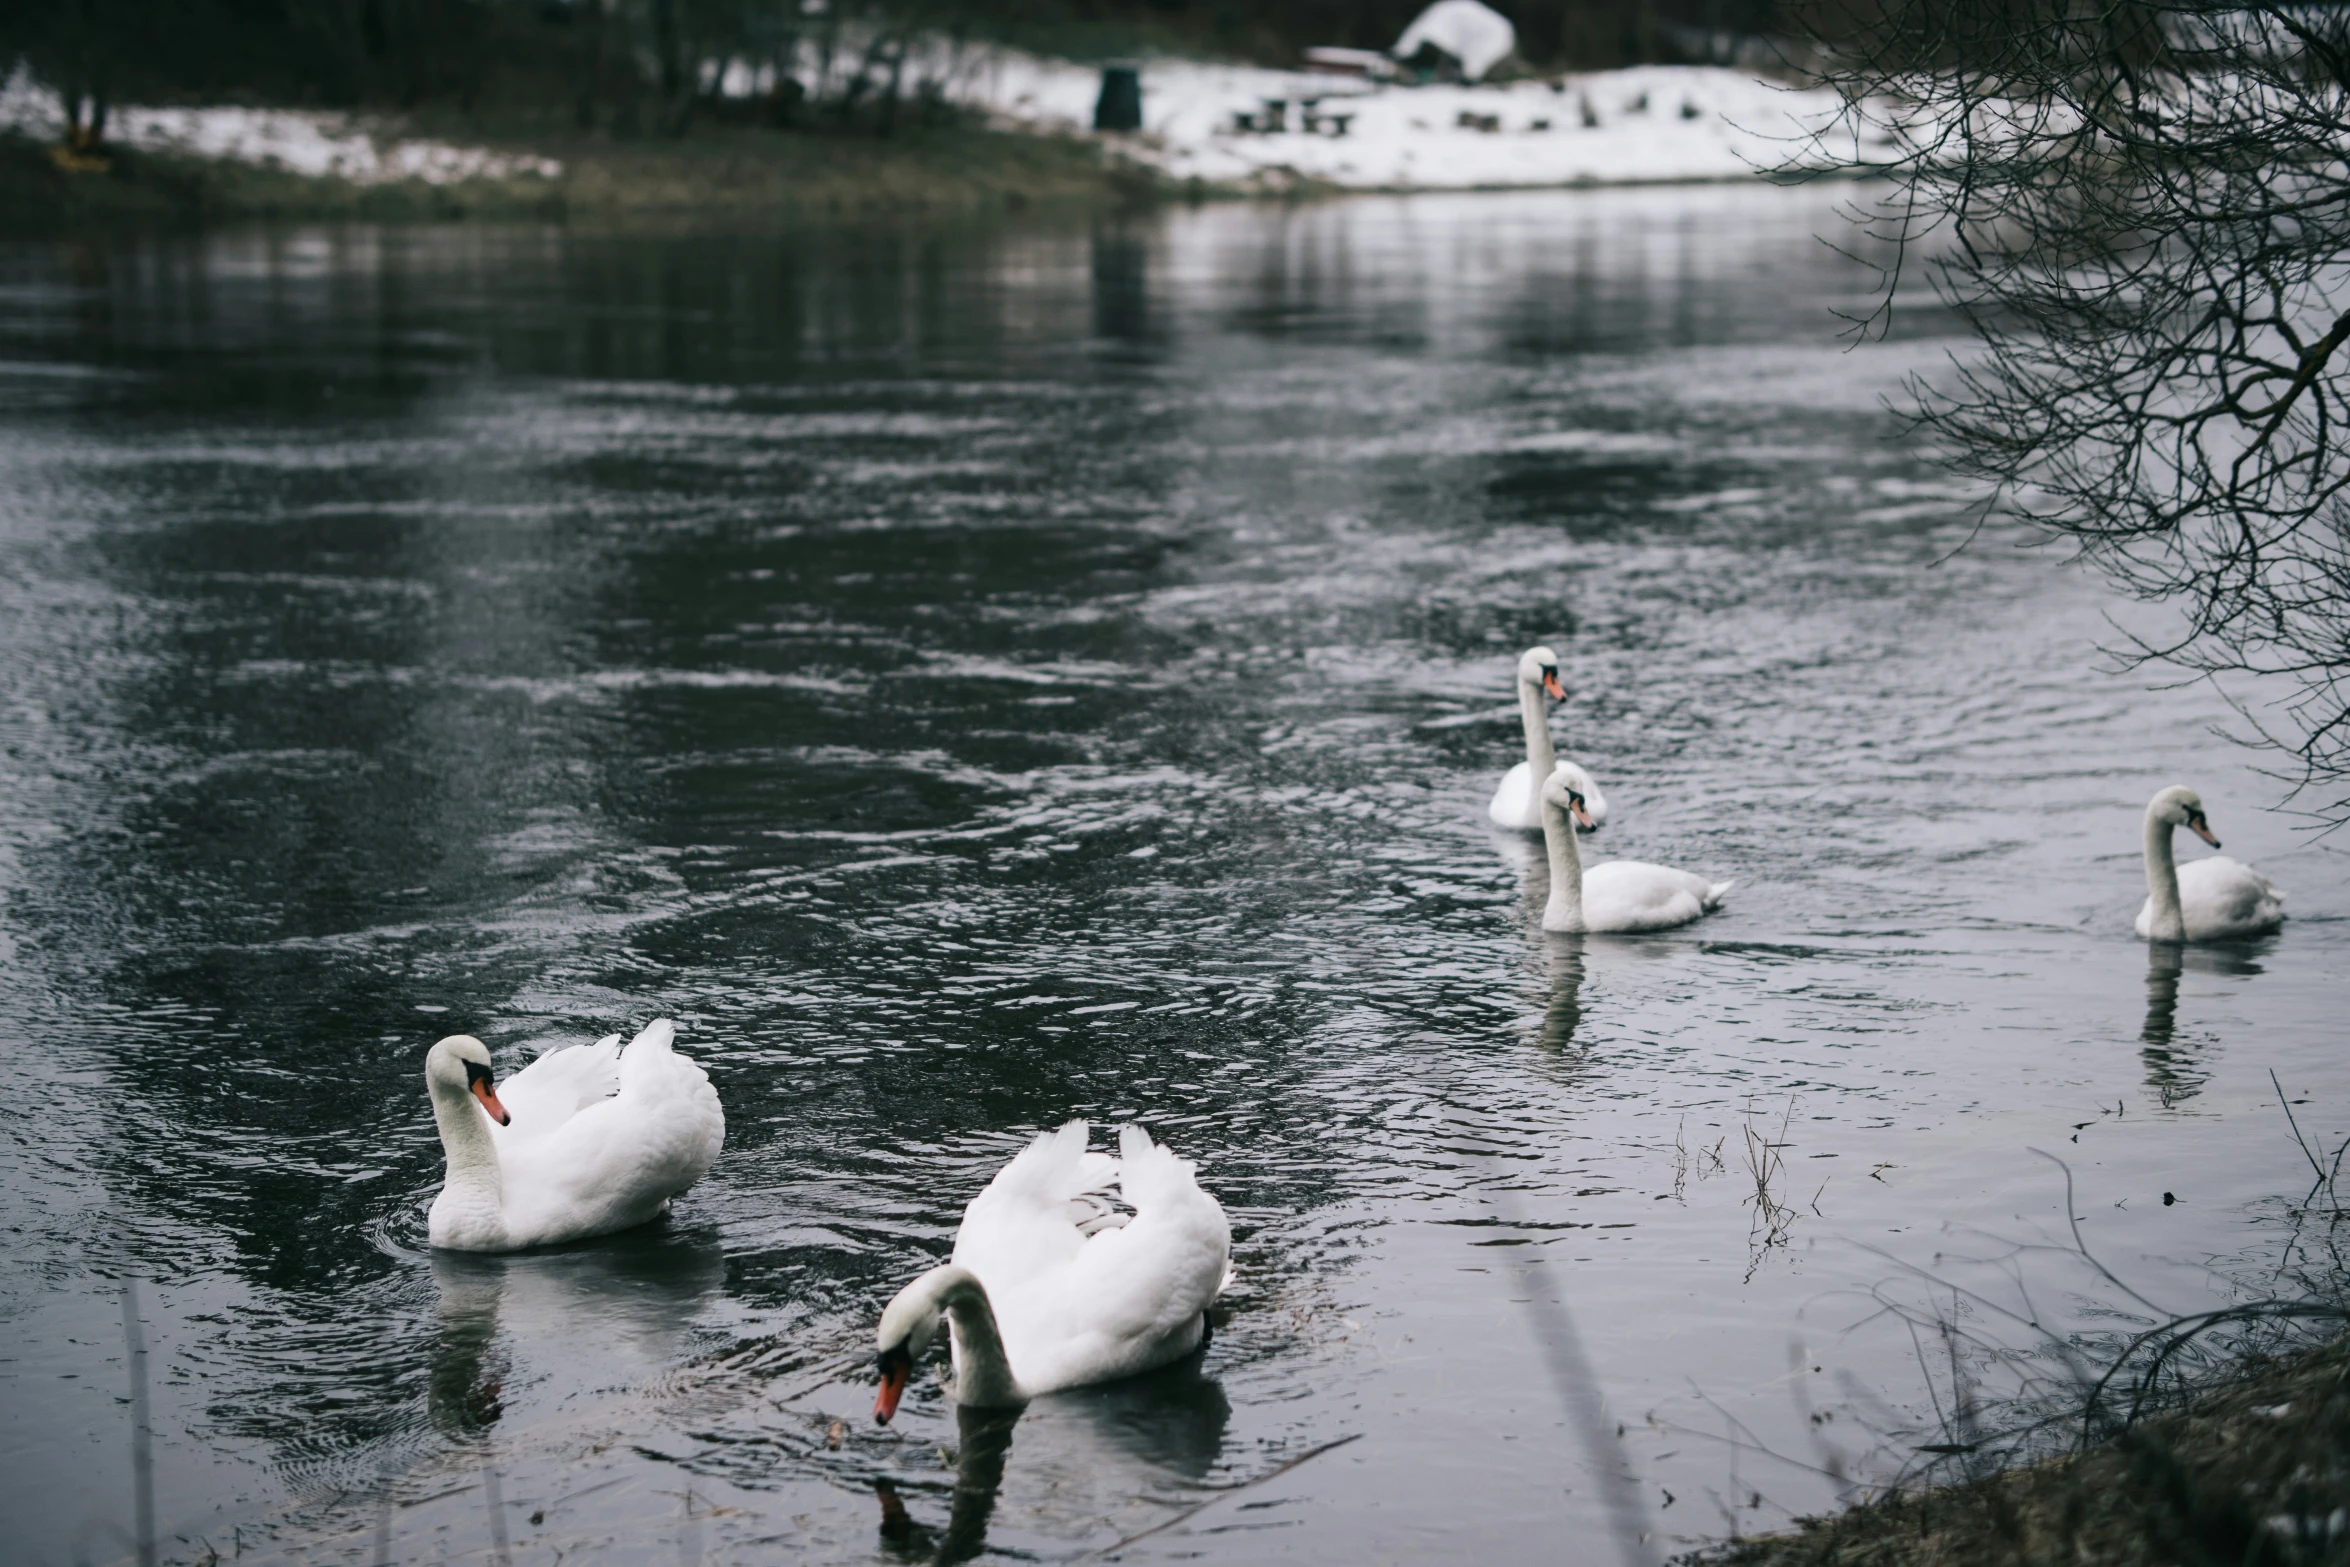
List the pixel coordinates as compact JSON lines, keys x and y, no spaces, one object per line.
{"x":460,"y":1064}
{"x":1565,"y":789}
{"x":2180,"y":806}
{"x":908,"y":1325}
{"x":1539,"y":666}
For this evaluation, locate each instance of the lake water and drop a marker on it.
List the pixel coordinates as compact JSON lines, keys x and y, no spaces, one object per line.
{"x":981,"y":676}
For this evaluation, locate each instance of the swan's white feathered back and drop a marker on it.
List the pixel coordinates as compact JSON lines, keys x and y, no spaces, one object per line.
{"x":1074,"y":1308}
{"x":1630,"y":895}
{"x":2221,"y":897}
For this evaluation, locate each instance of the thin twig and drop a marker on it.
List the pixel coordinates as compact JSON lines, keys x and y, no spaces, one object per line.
{"x":2081,"y":1246}
{"x":2299,"y":1141}
{"x":1200,"y":1507}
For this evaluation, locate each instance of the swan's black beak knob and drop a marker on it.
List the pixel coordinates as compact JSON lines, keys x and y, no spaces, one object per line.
{"x":477,"y":1082}
{"x":896,"y":1367}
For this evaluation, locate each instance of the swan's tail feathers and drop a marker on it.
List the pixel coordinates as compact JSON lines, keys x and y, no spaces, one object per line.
{"x":1715,"y":892}
{"x":659,"y":1035}
{"x":1150,"y":1174}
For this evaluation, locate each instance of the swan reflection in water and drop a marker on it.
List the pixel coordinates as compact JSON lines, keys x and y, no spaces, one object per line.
{"x":2174,"y":1069}
{"x":1560,"y":966}
{"x":1095,"y":1449}
{"x":1557,"y":969}
{"x":519,"y":1321}
{"x":1559,"y":1002}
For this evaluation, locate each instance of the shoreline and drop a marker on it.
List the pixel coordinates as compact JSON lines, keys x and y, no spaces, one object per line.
{"x":753,"y":177}
{"x":721,"y":172}
{"x":191,"y":166}
{"x":2248,"y":1470}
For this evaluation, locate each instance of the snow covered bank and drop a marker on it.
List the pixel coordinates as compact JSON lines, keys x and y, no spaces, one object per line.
{"x":1645,"y":125}
{"x":296,"y":141}
{"x":1637,"y":126}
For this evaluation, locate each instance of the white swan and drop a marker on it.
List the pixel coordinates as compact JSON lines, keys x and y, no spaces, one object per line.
{"x":1515,"y":803}
{"x":1621,"y":895}
{"x":1048,"y":1290}
{"x":2206,"y":900}
{"x":586,"y":1140}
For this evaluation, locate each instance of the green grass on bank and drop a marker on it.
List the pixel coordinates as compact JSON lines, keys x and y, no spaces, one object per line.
{"x":2253,"y":1474}
{"x":740,"y":173}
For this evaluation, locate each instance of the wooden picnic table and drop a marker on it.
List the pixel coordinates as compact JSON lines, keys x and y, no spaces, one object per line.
{"x":1273,"y":118}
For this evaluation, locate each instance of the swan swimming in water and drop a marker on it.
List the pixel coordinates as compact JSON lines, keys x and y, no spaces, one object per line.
{"x":1047,"y":1290}
{"x":1516,"y":803}
{"x":584,"y":1141}
{"x":1621,"y":895}
{"x":2205,"y":900}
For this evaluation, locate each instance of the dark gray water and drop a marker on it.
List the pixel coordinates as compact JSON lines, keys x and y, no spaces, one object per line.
{"x":975,"y":678}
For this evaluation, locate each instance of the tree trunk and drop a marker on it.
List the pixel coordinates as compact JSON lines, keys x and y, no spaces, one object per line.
{"x":592,"y":16}
{"x":665,"y":47}
{"x":889,"y":102}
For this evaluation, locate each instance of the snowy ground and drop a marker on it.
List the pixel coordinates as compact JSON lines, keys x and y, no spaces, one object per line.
{"x":1644,"y":125}
{"x":1647,"y":124}
{"x":296,"y":141}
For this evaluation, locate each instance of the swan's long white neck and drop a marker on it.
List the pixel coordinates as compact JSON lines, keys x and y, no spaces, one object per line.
{"x":1541,"y":756}
{"x":1565,"y":909}
{"x":465,"y":1140}
{"x":983,"y":1373}
{"x":2167,"y":922}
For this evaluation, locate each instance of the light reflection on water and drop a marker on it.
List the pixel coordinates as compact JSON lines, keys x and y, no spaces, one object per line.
{"x":972,"y":679}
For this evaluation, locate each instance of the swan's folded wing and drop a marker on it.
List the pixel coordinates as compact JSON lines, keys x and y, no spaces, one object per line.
{"x":1180,"y":1238}
{"x":2220,"y":895}
{"x":1026,"y":1220}
{"x":1153,"y":1177}
{"x":1635,"y":895}
{"x":617,"y":1161}
{"x":1131,"y":1299}
{"x":558,"y":1085}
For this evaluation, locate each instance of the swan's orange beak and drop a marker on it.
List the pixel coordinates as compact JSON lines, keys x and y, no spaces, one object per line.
{"x":2202,"y":828}
{"x":1582,"y":817}
{"x":1550,"y":683}
{"x":896,"y":1367}
{"x":489,"y":1099}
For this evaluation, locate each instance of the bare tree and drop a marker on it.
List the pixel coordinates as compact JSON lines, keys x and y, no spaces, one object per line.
{"x":2142,"y":209}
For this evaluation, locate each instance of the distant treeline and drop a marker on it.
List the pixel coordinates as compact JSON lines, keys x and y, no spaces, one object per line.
{"x":651,"y":65}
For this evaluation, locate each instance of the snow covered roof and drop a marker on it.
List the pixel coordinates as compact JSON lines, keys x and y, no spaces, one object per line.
{"x":1476,"y":35}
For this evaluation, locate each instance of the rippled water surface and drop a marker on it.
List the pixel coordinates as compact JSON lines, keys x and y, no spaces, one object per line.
{"x":975,"y":678}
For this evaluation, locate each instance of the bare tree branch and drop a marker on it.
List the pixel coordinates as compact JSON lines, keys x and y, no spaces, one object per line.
{"x":2142,"y":210}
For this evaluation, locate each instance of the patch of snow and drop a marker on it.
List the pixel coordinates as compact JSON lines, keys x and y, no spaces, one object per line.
{"x":1643,"y":125}
{"x":297,"y":141}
